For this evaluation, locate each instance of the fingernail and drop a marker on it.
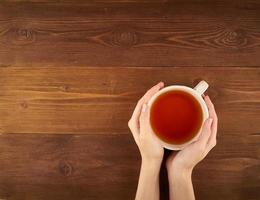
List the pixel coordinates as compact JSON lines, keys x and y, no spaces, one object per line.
{"x":144,"y":107}
{"x":160,"y":84}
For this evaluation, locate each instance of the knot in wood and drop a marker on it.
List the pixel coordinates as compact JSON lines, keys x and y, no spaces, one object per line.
{"x":235,"y":38}
{"x":125,"y":38}
{"x":65,"y":88}
{"x":65,"y":168}
{"x":24,"y":35}
{"x":24,"y":104}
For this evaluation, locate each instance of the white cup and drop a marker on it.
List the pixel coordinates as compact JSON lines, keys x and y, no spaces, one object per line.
{"x":196,"y":92}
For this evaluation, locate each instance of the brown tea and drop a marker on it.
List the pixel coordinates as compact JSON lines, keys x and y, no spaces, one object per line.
{"x":176,"y":117}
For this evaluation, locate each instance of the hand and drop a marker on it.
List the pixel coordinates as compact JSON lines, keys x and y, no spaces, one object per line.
{"x":149,"y":148}
{"x":186,"y":159}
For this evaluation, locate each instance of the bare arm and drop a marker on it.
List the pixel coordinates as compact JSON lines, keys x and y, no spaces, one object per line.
{"x":148,"y":185}
{"x":180,"y":185}
{"x":151,"y":151}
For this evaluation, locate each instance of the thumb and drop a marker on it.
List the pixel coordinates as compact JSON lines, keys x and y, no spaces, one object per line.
{"x":144,"y":116}
{"x":206,"y":132}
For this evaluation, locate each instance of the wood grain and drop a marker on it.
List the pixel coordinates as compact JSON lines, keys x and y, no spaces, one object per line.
{"x":68,"y":167}
{"x":94,"y":167}
{"x":97,"y":100}
{"x":130,"y":33}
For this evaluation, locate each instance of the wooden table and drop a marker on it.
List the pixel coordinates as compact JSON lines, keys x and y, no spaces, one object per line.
{"x":72,"y":71}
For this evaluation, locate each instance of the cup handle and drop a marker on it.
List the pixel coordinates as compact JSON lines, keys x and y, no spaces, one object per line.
{"x":201,"y":87}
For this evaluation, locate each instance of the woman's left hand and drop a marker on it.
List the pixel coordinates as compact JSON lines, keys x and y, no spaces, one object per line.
{"x":191,"y":155}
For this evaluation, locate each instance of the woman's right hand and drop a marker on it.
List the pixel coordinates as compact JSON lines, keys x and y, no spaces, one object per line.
{"x":186,"y":159}
{"x":151,"y":150}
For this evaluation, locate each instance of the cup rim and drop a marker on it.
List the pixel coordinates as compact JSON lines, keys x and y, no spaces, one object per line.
{"x":200,"y":100}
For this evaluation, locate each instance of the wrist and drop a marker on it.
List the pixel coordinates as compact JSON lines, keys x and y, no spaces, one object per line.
{"x":151,"y":165}
{"x":152,"y":161}
{"x":178,"y":168}
{"x":178,"y":172}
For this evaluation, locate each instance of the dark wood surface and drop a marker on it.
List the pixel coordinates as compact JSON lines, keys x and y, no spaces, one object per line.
{"x":72,"y":71}
{"x":130,"y":33}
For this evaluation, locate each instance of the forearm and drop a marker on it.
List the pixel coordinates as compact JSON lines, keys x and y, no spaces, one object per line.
{"x":180,"y":185}
{"x":148,"y":184}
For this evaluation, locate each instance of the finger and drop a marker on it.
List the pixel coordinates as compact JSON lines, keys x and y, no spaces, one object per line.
{"x":148,"y":95}
{"x":212,"y":141}
{"x":133,"y":123}
{"x":212,"y":113}
{"x":144,"y":118}
{"x":211,"y":107}
{"x":144,"y":99}
{"x":205,"y":133}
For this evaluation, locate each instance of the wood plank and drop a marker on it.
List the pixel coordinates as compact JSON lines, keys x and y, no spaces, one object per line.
{"x":101,"y":33}
{"x":97,"y":167}
{"x":72,"y":71}
{"x":83,"y":100}
{"x":67,"y":167}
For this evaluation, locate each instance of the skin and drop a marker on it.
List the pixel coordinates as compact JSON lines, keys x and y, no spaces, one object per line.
{"x":179,"y":165}
{"x":151,"y":151}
